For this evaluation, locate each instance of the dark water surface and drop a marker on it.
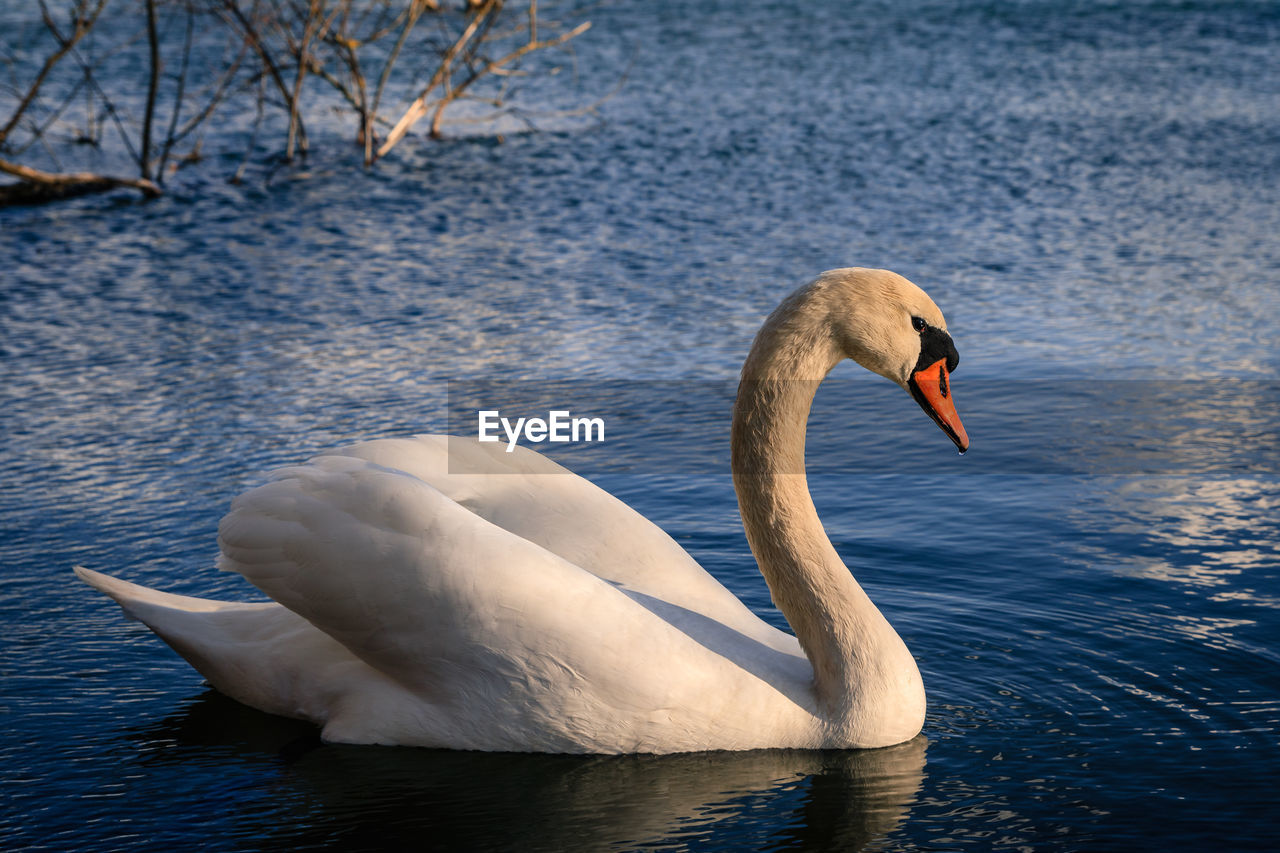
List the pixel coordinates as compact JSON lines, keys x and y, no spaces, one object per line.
{"x":1090,"y":191}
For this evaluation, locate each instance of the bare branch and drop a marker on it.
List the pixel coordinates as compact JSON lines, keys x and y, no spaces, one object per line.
{"x":250,"y":32}
{"x":498,"y":64}
{"x":472,"y":52}
{"x":153,"y":82}
{"x":38,"y":130}
{"x":83,"y":24}
{"x":416,"y":9}
{"x":253,"y":135}
{"x":110,"y":107}
{"x":219,"y":94}
{"x":179,"y":90}
{"x":419,"y":107}
{"x":307,"y":32}
{"x":60,"y":185}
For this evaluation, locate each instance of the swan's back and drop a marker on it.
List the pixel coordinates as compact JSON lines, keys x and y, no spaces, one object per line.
{"x":539,"y":500}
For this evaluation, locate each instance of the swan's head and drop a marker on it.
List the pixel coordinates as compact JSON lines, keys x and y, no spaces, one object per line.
{"x":891,"y":327}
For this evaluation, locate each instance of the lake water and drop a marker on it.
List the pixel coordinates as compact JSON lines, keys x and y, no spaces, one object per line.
{"x":1090,"y":191}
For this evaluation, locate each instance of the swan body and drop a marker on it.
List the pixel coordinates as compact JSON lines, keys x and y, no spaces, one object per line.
{"x":437,"y":591}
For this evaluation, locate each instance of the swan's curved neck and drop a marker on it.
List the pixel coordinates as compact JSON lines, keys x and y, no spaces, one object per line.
{"x":855,"y":653}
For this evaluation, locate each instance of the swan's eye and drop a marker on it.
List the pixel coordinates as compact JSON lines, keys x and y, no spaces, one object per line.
{"x":918,"y":324}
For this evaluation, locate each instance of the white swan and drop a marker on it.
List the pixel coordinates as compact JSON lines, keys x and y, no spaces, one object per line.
{"x":518,"y":607}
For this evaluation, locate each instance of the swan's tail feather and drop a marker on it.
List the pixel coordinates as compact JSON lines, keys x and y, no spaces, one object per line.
{"x":135,"y":599}
{"x":258,"y":653}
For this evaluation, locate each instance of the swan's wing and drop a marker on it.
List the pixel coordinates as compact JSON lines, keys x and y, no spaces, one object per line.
{"x":261,"y":654}
{"x":468,"y":615}
{"x":538,"y":500}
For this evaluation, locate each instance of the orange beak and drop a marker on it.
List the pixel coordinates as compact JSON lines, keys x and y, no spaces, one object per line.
{"x":931,"y":388}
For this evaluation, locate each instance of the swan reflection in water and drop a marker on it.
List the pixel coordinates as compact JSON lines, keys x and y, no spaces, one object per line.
{"x":355,"y":797}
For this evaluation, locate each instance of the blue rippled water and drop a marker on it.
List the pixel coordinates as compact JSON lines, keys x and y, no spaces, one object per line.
{"x":1091,"y":191}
